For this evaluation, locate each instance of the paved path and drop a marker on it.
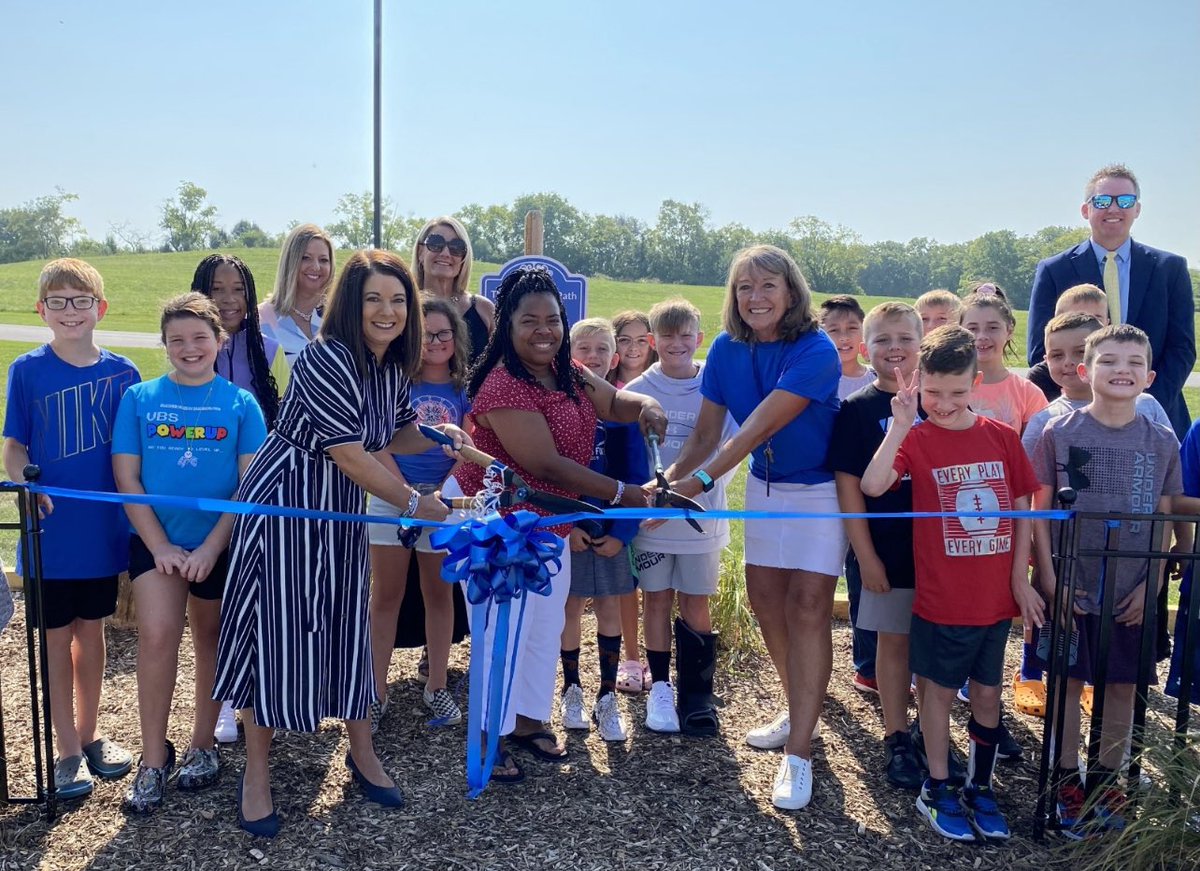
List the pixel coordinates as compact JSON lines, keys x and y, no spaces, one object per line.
{"x":105,"y":338}
{"x":121,"y":339}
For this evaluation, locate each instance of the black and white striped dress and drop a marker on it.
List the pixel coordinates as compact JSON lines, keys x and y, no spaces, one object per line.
{"x":295,"y":641}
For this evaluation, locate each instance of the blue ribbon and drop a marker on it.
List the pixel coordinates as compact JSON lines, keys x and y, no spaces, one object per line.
{"x":227,"y":506}
{"x":499,"y":559}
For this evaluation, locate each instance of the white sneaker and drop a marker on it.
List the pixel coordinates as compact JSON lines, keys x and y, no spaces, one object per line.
{"x":661,"y":715}
{"x":793,"y":783}
{"x":571,"y":708}
{"x":608,"y":717}
{"x":773,"y":735}
{"x":226,"y":731}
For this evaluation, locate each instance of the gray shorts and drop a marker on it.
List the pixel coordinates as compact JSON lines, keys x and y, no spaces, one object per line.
{"x":696,"y":574}
{"x":388,"y":534}
{"x":885,"y":612}
{"x":601,"y":576}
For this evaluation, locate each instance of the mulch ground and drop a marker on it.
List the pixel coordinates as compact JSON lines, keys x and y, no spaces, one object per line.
{"x":655,"y":802}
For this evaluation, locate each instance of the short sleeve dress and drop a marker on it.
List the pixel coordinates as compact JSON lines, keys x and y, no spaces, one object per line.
{"x":295,"y":641}
{"x":572,"y":424}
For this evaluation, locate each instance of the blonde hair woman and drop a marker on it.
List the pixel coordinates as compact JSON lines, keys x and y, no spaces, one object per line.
{"x":291,"y":315}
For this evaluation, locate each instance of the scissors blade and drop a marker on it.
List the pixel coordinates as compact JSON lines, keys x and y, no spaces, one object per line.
{"x":550,"y":502}
{"x":675,"y":500}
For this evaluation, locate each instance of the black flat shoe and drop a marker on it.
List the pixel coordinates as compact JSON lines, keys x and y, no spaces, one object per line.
{"x":388,"y":796}
{"x":267,"y":827}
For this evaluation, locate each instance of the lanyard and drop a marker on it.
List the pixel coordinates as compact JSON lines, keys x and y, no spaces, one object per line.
{"x":768,"y":453}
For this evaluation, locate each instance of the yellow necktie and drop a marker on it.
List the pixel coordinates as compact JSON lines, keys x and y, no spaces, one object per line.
{"x":1112,"y":287}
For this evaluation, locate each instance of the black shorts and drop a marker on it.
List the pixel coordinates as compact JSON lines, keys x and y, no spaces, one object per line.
{"x":210,"y":589}
{"x":1124,"y":653}
{"x":63,"y":602}
{"x":948,"y":655}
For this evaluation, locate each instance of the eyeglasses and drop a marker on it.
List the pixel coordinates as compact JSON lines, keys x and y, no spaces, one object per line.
{"x":626,"y":341}
{"x":80,"y":303}
{"x":435,"y":242}
{"x":439,"y":336}
{"x":1124,"y":201}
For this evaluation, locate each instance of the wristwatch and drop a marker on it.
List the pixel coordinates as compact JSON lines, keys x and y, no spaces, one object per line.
{"x":705,"y":479}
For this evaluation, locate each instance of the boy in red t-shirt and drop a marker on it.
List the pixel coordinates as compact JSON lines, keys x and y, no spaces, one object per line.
{"x":972,"y":572}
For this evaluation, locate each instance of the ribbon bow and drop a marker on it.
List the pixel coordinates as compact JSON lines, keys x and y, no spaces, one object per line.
{"x":498,"y":559}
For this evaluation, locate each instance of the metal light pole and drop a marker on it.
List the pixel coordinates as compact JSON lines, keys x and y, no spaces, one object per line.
{"x":377,"y":229}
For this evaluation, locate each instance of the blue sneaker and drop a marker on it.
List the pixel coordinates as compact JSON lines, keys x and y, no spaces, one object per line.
{"x":984,"y":814}
{"x":964,"y":692}
{"x":945,"y":812}
{"x":1070,"y":810}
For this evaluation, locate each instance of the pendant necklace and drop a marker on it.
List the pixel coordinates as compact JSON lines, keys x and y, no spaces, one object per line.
{"x":189,"y":458}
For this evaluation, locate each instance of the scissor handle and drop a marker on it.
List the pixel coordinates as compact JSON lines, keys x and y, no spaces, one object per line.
{"x":468,"y":453}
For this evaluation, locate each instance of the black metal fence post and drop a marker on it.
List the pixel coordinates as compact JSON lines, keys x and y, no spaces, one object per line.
{"x":29,"y":521}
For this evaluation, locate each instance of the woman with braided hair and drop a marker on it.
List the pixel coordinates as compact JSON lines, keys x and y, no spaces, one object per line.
{"x":535,"y":411}
{"x":247,"y":358}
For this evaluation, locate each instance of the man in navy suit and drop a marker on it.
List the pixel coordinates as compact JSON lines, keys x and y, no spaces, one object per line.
{"x":1155,"y":292}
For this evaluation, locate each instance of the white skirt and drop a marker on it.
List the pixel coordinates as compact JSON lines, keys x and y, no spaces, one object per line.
{"x":811,"y":545}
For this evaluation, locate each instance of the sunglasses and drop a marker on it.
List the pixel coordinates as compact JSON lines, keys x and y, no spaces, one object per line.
{"x":59,"y":303}
{"x":1104,"y":201}
{"x":439,"y":336}
{"x":435,"y":242}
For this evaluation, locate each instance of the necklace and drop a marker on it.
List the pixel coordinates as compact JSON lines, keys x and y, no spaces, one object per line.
{"x":189,"y":432}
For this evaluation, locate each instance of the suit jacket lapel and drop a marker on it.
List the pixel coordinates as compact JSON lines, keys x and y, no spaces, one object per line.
{"x":1083,"y":260}
{"x":1141,"y":266}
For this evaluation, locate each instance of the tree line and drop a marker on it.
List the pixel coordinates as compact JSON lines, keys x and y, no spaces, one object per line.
{"x":680,"y":247}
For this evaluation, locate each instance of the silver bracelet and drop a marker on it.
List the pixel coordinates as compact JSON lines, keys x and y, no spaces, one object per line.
{"x":414,"y":497}
{"x":616,"y":500}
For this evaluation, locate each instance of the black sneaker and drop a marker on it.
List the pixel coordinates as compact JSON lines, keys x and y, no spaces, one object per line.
{"x":1008,"y":750}
{"x":903,"y":767}
{"x":956,"y":766}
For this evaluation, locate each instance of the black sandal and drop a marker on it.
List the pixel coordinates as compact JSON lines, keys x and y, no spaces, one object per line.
{"x":505,"y":760}
{"x":529,"y":741}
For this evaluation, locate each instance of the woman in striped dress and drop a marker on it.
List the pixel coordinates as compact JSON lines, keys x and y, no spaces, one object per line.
{"x":295,"y":640}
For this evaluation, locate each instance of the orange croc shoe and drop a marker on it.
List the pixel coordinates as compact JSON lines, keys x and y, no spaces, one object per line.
{"x":1029,"y":696}
{"x":1086,"y":699}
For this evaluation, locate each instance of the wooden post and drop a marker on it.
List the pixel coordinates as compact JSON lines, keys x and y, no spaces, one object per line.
{"x":534,"y":232}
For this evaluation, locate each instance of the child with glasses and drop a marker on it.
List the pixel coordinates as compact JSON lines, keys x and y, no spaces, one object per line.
{"x":85,"y":545}
{"x":635,"y":354}
{"x":600,"y":560}
{"x":438,"y":396}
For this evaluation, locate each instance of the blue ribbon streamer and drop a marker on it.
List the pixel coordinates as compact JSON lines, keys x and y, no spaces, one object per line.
{"x":226,"y":506}
{"x":499,"y":560}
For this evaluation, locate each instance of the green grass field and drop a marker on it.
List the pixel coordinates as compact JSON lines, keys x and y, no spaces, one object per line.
{"x":136,"y":285}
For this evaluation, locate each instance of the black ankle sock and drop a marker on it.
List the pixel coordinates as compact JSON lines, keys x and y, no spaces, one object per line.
{"x":609,"y":649}
{"x":570,"y":667}
{"x":660,"y":664}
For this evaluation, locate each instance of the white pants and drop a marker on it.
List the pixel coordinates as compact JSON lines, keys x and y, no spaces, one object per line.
{"x":533,"y":663}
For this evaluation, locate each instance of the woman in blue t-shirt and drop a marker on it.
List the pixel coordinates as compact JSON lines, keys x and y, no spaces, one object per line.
{"x":439,"y":395}
{"x":189,"y":433}
{"x":777,"y":374}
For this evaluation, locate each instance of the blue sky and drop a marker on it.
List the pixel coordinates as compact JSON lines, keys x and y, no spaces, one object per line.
{"x":941,"y":119}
